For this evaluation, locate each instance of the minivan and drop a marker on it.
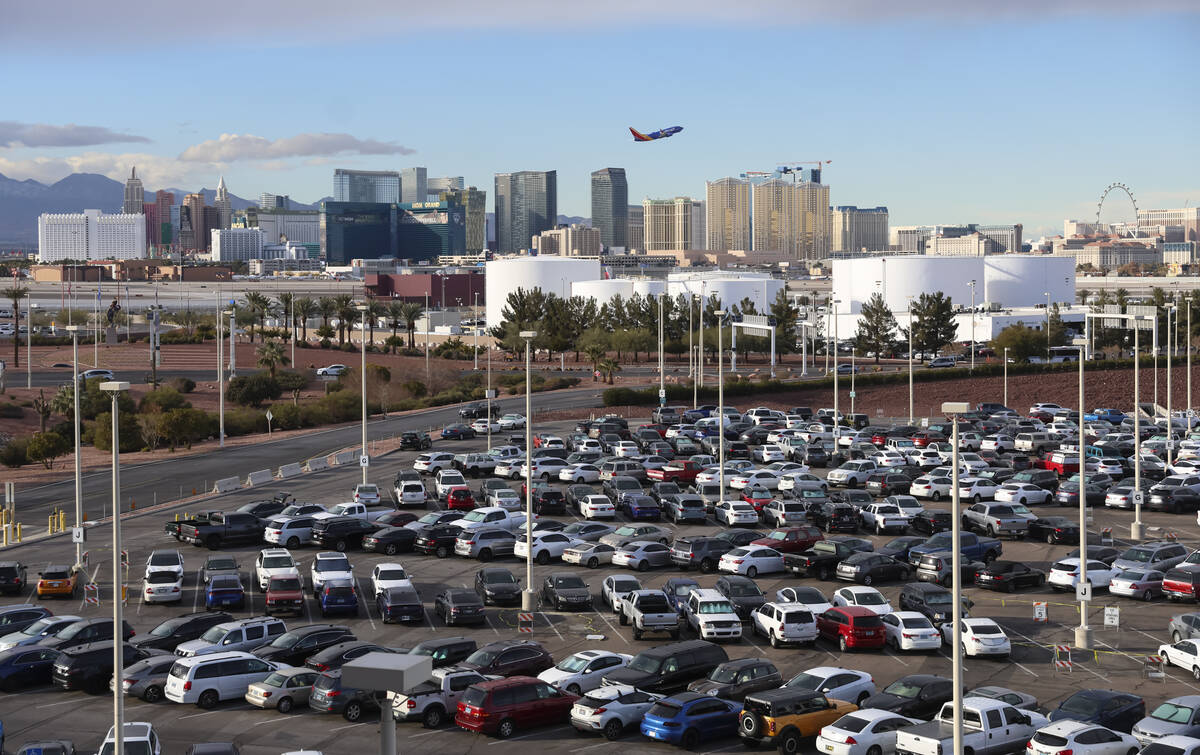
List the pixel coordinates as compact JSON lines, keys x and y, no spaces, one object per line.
{"x":208,"y":679}
{"x":505,"y":706}
{"x":1034,"y":442}
{"x":243,"y":634}
{"x":671,"y":668}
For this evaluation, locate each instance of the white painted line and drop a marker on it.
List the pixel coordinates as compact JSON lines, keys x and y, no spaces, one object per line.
{"x":1027,"y":671}
{"x":430,"y":733}
{"x":198,"y":715}
{"x":526,"y":736}
{"x":351,"y":726}
{"x":614,"y":628}
{"x":895,"y":657}
{"x":488,"y":620}
{"x":366,"y":605}
{"x":590,"y":747}
{"x":54,"y":705}
{"x":547,"y":618}
{"x":429,"y":620}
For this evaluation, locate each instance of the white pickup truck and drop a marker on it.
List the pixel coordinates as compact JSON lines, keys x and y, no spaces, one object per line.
{"x":492,"y":516}
{"x":369,"y":512}
{"x":990,"y":727}
{"x":433,"y":702}
{"x":648,"y":611}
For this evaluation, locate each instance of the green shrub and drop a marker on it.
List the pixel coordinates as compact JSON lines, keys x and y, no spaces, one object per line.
{"x":253,"y":390}
{"x":184,"y":426}
{"x":45,"y":448}
{"x":131,"y":434}
{"x":287,"y":417}
{"x":245,"y":422}
{"x":163,"y":399}
{"x":179,"y":335}
{"x":11,"y":411}
{"x":182,"y":384}
{"x":13,"y":454}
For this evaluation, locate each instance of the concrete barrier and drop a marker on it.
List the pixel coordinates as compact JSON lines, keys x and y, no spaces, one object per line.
{"x":316,"y":464}
{"x":227,"y":485}
{"x":259,"y":477}
{"x":345,"y":457}
{"x":289,"y":470}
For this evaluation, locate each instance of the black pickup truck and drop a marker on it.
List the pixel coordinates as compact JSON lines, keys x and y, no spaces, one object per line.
{"x":820,"y":561}
{"x":223,"y":529}
{"x":172,"y":528}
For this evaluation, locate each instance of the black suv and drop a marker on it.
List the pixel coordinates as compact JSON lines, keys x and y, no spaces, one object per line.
{"x":12,"y":577}
{"x":341,"y":532}
{"x":437,"y":540}
{"x":497,"y":586}
{"x":702,"y":552}
{"x":446,"y":651}
{"x":835,"y":517}
{"x":478,"y":410}
{"x":549,"y":501}
{"x":184,"y":628}
{"x":266,"y":509}
{"x":915,"y":695}
{"x":1046,"y":479}
{"x":674,"y":666}
{"x":510,"y":658}
{"x":85,"y":631}
{"x":296,"y":645}
{"x":415,"y":441}
{"x":90,"y":666}
{"x":339,"y":654}
{"x":931,"y":522}
{"x":934,"y":601}
{"x":743,"y":593}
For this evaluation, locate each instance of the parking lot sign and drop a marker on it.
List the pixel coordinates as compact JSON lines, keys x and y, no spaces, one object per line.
{"x":1039,"y":611}
{"x":1083,"y":590}
{"x":364,"y":461}
{"x":1112,"y":616}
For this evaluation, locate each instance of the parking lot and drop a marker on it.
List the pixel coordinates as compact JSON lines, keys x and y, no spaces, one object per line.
{"x":47,"y":712}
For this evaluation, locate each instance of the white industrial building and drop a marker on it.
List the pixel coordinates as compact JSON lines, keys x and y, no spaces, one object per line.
{"x":302,"y":226}
{"x":728,"y":286}
{"x":91,"y":235}
{"x":553,"y":275}
{"x":236,"y":244}
{"x":1005,"y":288}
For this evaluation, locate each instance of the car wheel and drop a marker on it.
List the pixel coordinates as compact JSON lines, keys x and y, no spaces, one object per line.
{"x":485,"y":554}
{"x":824,"y":573}
{"x":707,"y":566}
{"x":752,"y":572}
{"x":208,"y":699}
{"x":390,"y":549}
{"x":293,"y":542}
{"x":776,"y":641}
{"x":1050,"y":539}
{"x":152,"y":694}
{"x":434,"y":717}
{"x":977,"y":498}
{"x":612,"y":729}
{"x":353,"y":711}
{"x":790,"y":744}
{"x":442,"y":551}
{"x":690,"y":739}
{"x":213,"y":542}
{"x":991,"y":531}
{"x":937,"y":496}
{"x":874,"y":750}
{"x":621,"y":619}
{"x":506,"y":729}
{"x":1146,"y":596}
{"x":1022,"y":501}
{"x":643,"y":565}
{"x":284,"y":705}
{"x":543,"y":558}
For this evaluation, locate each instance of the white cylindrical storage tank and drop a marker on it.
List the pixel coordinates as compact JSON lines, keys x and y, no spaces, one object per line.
{"x":731,"y":291}
{"x":602,"y":291}
{"x":1023,"y":281}
{"x":553,"y":275}
{"x":646,"y":287}
{"x":898,"y":278}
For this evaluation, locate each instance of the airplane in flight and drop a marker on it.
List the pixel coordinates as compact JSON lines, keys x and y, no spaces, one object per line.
{"x":638,"y":136}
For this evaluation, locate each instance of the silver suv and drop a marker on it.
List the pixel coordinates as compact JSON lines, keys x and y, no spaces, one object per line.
{"x":1158,"y":556}
{"x":998,"y":519}
{"x":243,"y":634}
{"x":485,"y":543}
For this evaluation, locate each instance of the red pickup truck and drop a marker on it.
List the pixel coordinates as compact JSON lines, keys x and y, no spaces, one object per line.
{"x":684,"y":471}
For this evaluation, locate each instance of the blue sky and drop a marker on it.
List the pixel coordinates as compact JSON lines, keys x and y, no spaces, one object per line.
{"x":945,"y":112}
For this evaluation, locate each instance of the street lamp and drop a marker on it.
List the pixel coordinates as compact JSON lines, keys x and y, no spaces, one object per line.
{"x":662,"y":388}
{"x":720,"y":313}
{"x":1006,"y":376}
{"x":74,"y":331}
{"x":527,"y":594}
{"x":910,"y":361}
{"x":475,"y":327}
{"x":116,"y":388}
{"x":1047,"y":295}
{"x":1187,"y":346}
{"x":972,"y":285}
{"x":221,"y":374}
{"x":955,"y":408}
{"x":1171,"y":310}
{"x":1137,"y":529}
{"x":32,"y":310}
{"x":1083,"y":633}
{"x":362,"y":313}
{"x":836,"y":414}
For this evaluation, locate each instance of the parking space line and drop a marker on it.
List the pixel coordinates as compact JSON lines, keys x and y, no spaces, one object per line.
{"x":430,"y":733}
{"x":895,"y":657}
{"x":55,"y":705}
{"x":613,"y":626}
{"x":366,"y":604}
{"x":198,"y":715}
{"x":1027,"y":671}
{"x":429,"y":619}
{"x":488,"y":619}
{"x":551,"y":623}
{"x":590,"y":747}
{"x":526,"y":736}
{"x":350,"y":726}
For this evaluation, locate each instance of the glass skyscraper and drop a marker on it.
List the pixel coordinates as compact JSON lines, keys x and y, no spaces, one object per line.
{"x":610,"y":206}
{"x":366,"y":186}
{"x":526,"y":205}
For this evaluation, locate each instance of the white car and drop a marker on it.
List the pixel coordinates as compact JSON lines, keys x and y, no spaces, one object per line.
{"x":162,"y":586}
{"x":883,"y":516}
{"x":387,"y":575}
{"x":589,"y":554}
{"x":505,"y":498}
{"x":484,"y":426}
{"x":546,"y":545}
{"x":366,"y":493}
{"x":783,"y":623}
{"x":580,"y":473}
{"x":972,"y":461}
{"x":625,"y":448}
{"x":272,"y":562}
{"x":136,"y":736}
{"x":998,"y":443}
{"x":597,"y":507}
{"x":544,"y":468}
{"x":911,"y":630}
{"x":751,"y":560}
{"x":510,"y":468}
{"x":864,"y":731}
{"x":935,"y":488}
{"x":1021,"y":492}
{"x":580,"y":672}
{"x":907,"y":504}
{"x":852,"y":474}
{"x":614,"y":589}
{"x":979,"y":637}
{"x":759,"y":478}
{"x":612,"y":709}
{"x":781,"y":513}
{"x":975,"y":488}
{"x":410,"y":493}
{"x":447,"y":480}
{"x":889,"y":458}
{"x":836,"y":682}
{"x":433,"y":462}
{"x":1185,"y":654}
{"x":641,"y":555}
{"x":732,"y":513}
{"x":1080,"y":738}
{"x":1064,"y":574}
{"x":793,"y":480}
{"x":165,"y":560}
{"x":333,"y":370}
{"x":769,"y":453}
{"x":329,"y":566}
{"x":511,"y":422}
{"x":861,"y":595}
{"x":809,"y":597}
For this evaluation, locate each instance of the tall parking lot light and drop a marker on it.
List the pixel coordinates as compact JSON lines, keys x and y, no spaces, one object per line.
{"x":836,"y":417}
{"x":1006,"y":376}
{"x":221,"y":375}
{"x":910,"y":363}
{"x":1137,"y":530}
{"x":74,"y":331}
{"x":953,"y":409}
{"x":720,"y":405}
{"x":362,"y":314}
{"x":527,"y":593}
{"x":1171,"y":310}
{"x":1083,"y":633}
{"x":116,"y":388}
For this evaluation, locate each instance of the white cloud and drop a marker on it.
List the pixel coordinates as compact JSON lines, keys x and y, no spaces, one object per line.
{"x":155,"y":170}
{"x":233,"y":147}
{"x":18,"y":134}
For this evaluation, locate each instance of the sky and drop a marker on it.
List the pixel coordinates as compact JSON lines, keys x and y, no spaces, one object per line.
{"x":945,"y":111}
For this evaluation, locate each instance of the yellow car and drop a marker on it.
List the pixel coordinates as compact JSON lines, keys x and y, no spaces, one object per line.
{"x":57,"y":581}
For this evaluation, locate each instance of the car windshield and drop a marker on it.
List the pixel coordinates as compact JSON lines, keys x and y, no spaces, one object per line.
{"x":916,"y":622}
{"x":805,"y":680}
{"x":724,"y":674}
{"x":625,"y":531}
{"x":626,"y":585}
{"x":278,"y":562}
{"x":389,"y":574}
{"x":332,"y":564}
{"x":1132,"y":575}
{"x":167,"y":628}
{"x":285,"y":583}
{"x":341,"y":592}
{"x":38,"y":627}
{"x":499,"y":578}
{"x":574,"y":663}
{"x":903,"y":688}
{"x":164,"y":559}
{"x":1018,"y":508}
{"x":569,"y":583}
{"x":1082,"y":704}
{"x":216,"y":564}
{"x":275,"y":680}
{"x":870,"y":598}
{"x":742,"y":590}
{"x":778,"y":535}
{"x":646,"y":664}
{"x":1141,"y":555}
{"x":1158,"y":748}
{"x":1172,"y":713}
{"x":482,"y":657}
{"x":214,"y":634}
{"x":715,"y":606}
{"x":986,"y":628}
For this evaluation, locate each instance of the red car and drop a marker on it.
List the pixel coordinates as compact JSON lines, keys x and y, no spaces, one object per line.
{"x":660,"y":429}
{"x":460,"y":498}
{"x":791,"y":539}
{"x":757,"y":497}
{"x":505,"y":706}
{"x":285,"y":593}
{"x":925,"y":437}
{"x":852,"y":627}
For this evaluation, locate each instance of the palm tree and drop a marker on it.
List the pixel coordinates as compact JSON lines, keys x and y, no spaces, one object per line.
{"x":327,"y":308}
{"x":608,"y":368}
{"x":347,"y":314}
{"x":272,"y":354}
{"x":596,"y":353}
{"x":260,"y":306}
{"x":15,"y":294}
{"x":375,"y":311}
{"x":286,"y":302}
{"x":305,"y":308}
{"x":411,"y":312}
{"x":395,"y":315}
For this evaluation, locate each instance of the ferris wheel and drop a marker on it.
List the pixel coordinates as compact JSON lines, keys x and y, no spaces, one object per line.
{"x":1117,"y":186}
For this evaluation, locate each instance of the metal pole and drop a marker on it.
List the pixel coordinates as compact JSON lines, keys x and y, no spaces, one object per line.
{"x":28,"y":341}
{"x":292,"y":318}
{"x":488,"y":395}
{"x":427,"y":378}
{"x":232,"y":342}
{"x":1083,"y":635}
{"x":387,"y":729}
{"x":691,"y":345}
{"x":362,"y":308}
{"x":972,"y":326}
{"x":956,"y":598}
{"x":720,"y":405}
{"x":78,"y":465}
{"x":1187,"y":345}
{"x":475,"y":327}
{"x":911,"y":416}
{"x":527,"y":594}
{"x":1047,"y":326}
{"x":836,"y":418}
{"x":662,"y":387}
{"x":1170,"y":353}
{"x":853,"y":369}
{"x":115,"y":389}
{"x":1137,"y":529}
{"x":96,"y":316}
{"x":220,"y":381}
{"x":1006,"y":376}
{"x":700,"y":349}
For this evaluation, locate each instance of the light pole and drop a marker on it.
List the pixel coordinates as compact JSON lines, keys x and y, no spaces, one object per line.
{"x":292,"y":320}
{"x":1006,"y":376}
{"x":700,"y":347}
{"x":911,"y":416}
{"x":1170,"y":352}
{"x":475,"y":327}
{"x":1047,"y":295}
{"x":955,"y":408}
{"x":1137,"y":529}
{"x":116,"y":388}
{"x":836,"y":415}
{"x":662,"y":387}
{"x":221,"y":376}
{"x":720,"y":313}
{"x":30,"y":311}
{"x":427,"y":320}
{"x":972,"y":285}
{"x":74,"y":331}
{"x":488,"y":394}
{"x":1187,"y":345}
{"x":1083,"y":633}
{"x":527,"y":595}
{"x":362,"y":313}
{"x":232,"y":340}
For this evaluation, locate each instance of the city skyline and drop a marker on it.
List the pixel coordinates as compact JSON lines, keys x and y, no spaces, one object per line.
{"x":891,"y":99}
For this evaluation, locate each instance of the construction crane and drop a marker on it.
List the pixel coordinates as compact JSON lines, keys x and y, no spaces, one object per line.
{"x":794,"y":167}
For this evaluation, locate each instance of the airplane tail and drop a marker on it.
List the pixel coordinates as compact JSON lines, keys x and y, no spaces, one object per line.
{"x":639,"y":136}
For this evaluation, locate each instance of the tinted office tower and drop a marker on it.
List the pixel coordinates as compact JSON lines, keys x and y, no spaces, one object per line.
{"x":526,"y":205}
{"x":366,"y":186}
{"x":413,"y":185}
{"x":610,"y":206}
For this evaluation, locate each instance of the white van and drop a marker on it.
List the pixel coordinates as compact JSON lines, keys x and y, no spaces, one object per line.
{"x":208,"y":679}
{"x":1033,"y":442}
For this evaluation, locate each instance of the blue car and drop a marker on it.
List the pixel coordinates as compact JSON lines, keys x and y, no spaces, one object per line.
{"x":1118,"y":711}
{"x":677,"y":589}
{"x":224,"y":591}
{"x":642,"y":507}
{"x":338,"y":596}
{"x":688,"y":718}
{"x":26,"y":666}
